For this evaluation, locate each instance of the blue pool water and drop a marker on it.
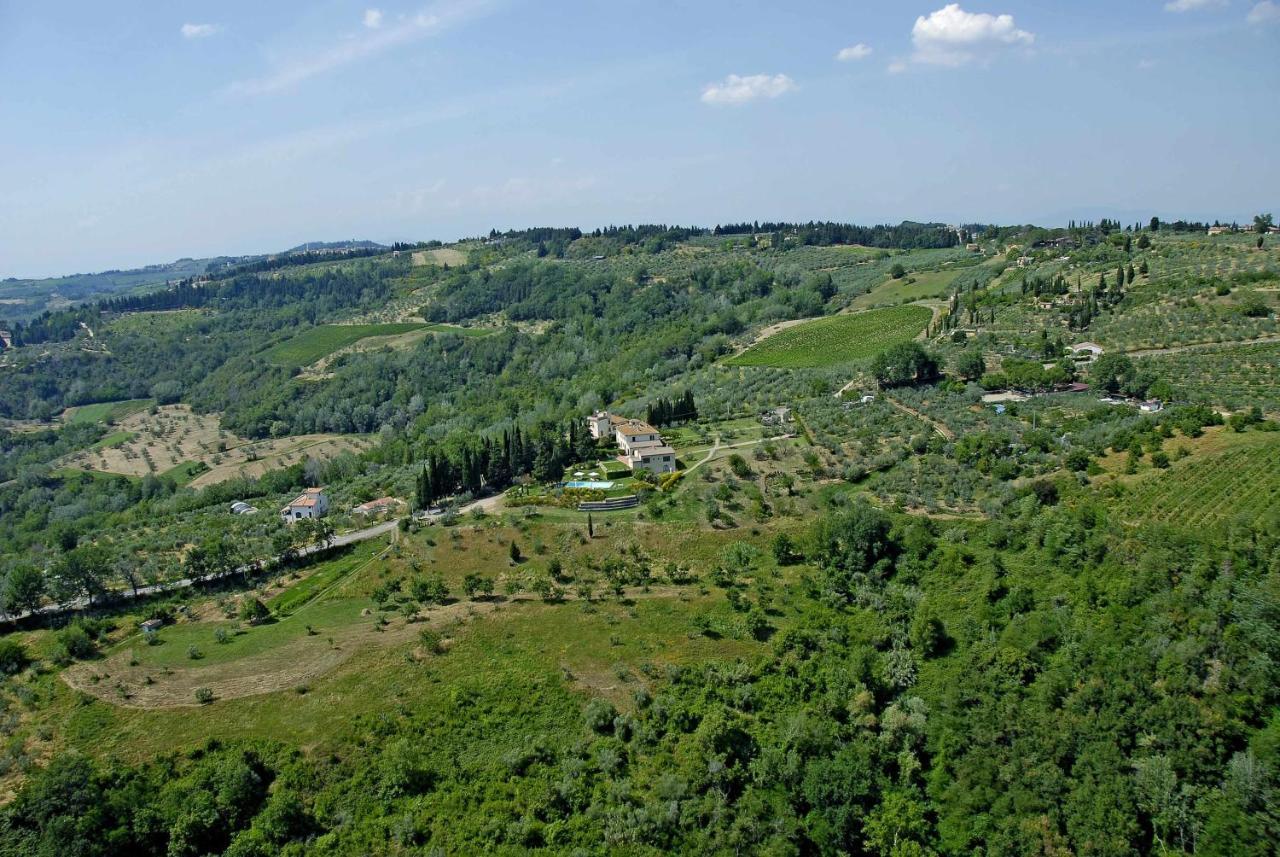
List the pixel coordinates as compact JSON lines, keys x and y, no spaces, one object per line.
{"x":603,"y":486}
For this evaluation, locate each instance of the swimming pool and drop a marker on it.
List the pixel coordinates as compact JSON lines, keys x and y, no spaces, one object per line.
{"x":603,"y":486}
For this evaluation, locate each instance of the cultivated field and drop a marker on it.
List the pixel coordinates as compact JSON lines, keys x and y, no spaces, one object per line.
{"x":913,"y":287}
{"x":191,"y":446}
{"x":322,"y":340}
{"x":1237,"y":376}
{"x":836,"y":339}
{"x":1238,"y":481}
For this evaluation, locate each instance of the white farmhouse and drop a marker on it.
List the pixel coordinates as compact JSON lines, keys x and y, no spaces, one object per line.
{"x":311,"y":503}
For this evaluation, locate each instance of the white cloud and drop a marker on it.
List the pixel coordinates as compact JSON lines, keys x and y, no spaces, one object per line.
{"x":854,"y":52}
{"x":1192,"y":5}
{"x":897,"y":66}
{"x":738,"y":89}
{"x":199,"y":31}
{"x":1266,"y":12}
{"x":1146,"y":64}
{"x":430,"y":21}
{"x":952,"y":37}
{"x":373,"y":18}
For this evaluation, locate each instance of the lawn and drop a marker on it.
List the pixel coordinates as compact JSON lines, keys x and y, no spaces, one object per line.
{"x":836,"y":339}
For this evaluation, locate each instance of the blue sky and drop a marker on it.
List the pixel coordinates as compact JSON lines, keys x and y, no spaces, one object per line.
{"x":137,"y":132}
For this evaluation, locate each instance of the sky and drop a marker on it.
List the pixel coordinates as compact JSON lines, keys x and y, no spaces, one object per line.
{"x":141,"y":132}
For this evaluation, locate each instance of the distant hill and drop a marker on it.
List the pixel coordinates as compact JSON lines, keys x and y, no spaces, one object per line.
{"x":337,"y":245}
{"x":24,"y":299}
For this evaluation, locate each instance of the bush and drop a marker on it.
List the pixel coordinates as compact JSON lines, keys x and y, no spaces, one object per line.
{"x":599,"y":716}
{"x":75,"y":643}
{"x":204,"y":695}
{"x":13,"y":657}
{"x":253,"y":610}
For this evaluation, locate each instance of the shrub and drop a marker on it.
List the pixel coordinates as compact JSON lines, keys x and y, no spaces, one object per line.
{"x":599,"y":716}
{"x":252,"y":610}
{"x":204,"y":695}
{"x":13,"y":657}
{"x":75,"y":643}
{"x":193,"y":653}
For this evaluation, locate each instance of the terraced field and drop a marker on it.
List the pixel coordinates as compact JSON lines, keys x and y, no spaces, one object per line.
{"x":1242,"y":481}
{"x":836,"y":339}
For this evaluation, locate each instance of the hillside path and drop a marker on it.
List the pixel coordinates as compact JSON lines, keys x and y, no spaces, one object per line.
{"x":1199,"y":346}
{"x":937,"y":426}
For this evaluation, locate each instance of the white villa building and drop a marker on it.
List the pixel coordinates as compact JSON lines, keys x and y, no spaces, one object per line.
{"x":311,"y":503}
{"x":641,"y":444}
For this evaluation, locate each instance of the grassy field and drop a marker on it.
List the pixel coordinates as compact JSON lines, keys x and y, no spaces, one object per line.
{"x":333,"y":655}
{"x":308,"y":347}
{"x":913,"y":287}
{"x":101,"y":412}
{"x":836,"y":339}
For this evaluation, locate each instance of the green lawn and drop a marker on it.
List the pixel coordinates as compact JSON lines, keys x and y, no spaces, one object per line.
{"x":836,"y":339}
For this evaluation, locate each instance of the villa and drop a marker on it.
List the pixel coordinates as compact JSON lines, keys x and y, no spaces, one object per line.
{"x":641,"y":444}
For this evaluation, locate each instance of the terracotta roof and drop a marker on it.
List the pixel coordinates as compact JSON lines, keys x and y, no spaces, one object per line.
{"x":634,"y":428}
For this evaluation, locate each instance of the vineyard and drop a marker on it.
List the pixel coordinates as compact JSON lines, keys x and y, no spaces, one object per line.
{"x":836,"y":339}
{"x":1242,"y":482}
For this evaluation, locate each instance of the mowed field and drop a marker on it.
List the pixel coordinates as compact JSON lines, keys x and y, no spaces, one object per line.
{"x":1229,"y":477}
{"x":440,"y":256}
{"x":913,"y":287}
{"x":175,"y":441}
{"x":836,"y":339}
{"x":322,"y":340}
